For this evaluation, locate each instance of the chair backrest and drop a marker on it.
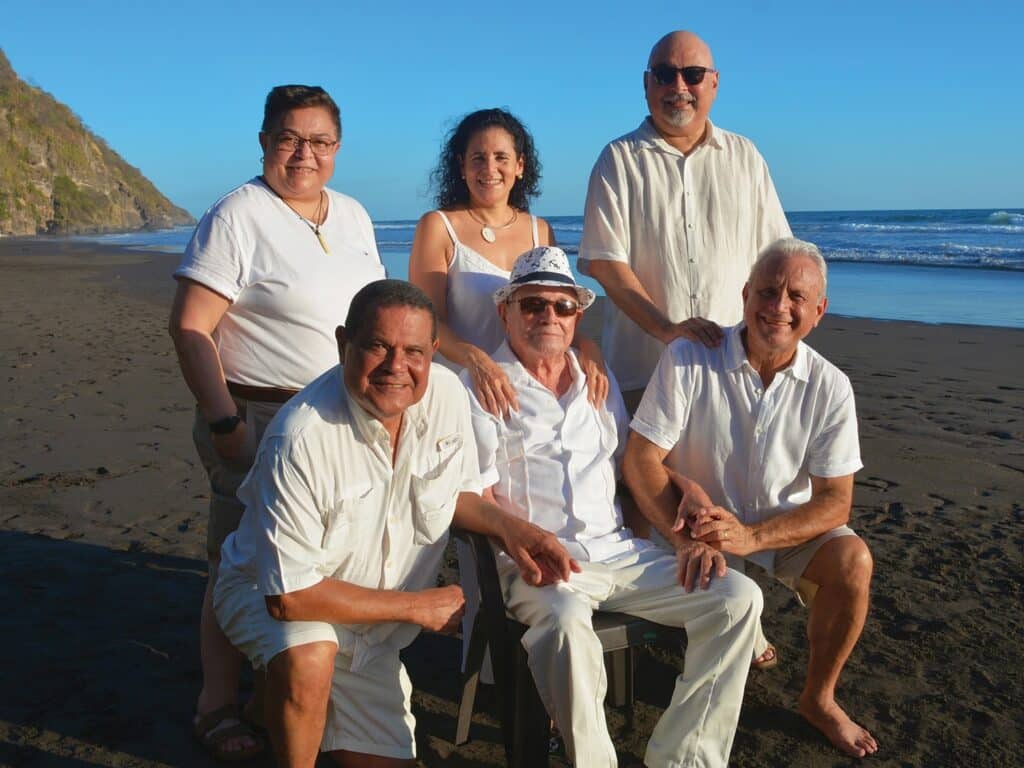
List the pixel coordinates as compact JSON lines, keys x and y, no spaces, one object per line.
{"x":500,"y":630}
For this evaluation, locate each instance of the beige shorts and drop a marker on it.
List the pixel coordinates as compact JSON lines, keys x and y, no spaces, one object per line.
{"x":225,"y":476}
{"x":369,"y":711}
{"x":791,"y":562}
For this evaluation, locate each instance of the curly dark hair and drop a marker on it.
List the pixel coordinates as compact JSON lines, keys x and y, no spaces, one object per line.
{"x":447,"y":176}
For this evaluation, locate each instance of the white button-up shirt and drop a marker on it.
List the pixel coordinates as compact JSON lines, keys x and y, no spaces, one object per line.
{"x":752,"y":449}
{"x":689,"y":226}
{"x":323,"y":499}
{"x":554,"y":461}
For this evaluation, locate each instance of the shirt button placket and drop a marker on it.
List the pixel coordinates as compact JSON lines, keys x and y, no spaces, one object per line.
{"x":688,"y":218}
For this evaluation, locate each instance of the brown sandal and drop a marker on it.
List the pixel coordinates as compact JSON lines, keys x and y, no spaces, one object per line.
{"x":214,"y":729}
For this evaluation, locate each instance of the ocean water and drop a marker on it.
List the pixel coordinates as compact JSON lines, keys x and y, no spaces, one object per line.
{"x":933,"y":266}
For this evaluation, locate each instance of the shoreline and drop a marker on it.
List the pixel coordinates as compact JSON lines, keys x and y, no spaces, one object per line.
{"x":103,"y":506}
{"x":854,"y":287}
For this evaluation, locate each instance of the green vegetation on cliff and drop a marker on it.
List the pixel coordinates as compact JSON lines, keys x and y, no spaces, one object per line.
{"x":57,"y":177}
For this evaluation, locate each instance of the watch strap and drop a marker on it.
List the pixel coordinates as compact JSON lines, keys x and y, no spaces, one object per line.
{"x":225,"y":426}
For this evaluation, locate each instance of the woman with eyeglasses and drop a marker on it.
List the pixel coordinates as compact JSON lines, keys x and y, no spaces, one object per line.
{"x":461,"y":253}
{"x":264,"y":282}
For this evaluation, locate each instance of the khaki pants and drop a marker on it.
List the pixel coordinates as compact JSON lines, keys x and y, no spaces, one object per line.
{"x":225,"y":476}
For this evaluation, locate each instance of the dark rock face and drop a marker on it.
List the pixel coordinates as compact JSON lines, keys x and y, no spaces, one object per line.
{"x":56,"y":177}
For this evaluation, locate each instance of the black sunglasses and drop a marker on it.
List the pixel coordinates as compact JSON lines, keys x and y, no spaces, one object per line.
{"x":533,"y":305}
{"x":665,"y":74}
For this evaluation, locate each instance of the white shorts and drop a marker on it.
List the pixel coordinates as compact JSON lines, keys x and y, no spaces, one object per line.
{"x":368,"y":711}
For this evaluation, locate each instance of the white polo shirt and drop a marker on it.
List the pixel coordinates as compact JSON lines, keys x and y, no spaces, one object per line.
{"x":752,"y":449}
{"x":323,"y":499}
{"x":689,"y":226}
{"x":287,"y":295}
{"x":554,"y":462}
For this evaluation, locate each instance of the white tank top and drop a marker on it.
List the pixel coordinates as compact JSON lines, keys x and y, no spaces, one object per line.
{"x":472,"y":280}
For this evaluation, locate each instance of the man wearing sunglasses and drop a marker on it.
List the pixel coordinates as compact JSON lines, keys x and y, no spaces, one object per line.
{"x":676,"y":212}
{"x":554,"y":462}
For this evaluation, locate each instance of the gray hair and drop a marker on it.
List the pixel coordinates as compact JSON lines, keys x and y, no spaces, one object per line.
{"x":791,"y":246}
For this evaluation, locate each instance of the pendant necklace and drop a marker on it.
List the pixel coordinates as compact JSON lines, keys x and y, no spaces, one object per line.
{"x":314,"y":225}
{"x":486,"y":230}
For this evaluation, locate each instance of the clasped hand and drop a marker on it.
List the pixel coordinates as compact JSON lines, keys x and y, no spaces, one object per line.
{"x":714,"y":526}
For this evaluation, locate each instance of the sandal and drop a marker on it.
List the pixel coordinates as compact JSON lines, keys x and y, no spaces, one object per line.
{"x":214,"y":729}
{"x":767,"y":660}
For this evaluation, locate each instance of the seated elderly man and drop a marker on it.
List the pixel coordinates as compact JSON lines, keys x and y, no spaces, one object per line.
{"x":554,"y":463}
{"x":760,"y":435}
{"x":348,"y":504}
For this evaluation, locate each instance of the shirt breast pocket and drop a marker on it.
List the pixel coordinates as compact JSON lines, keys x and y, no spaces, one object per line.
{"x":435,"y":491}
{"x":342,"y":526}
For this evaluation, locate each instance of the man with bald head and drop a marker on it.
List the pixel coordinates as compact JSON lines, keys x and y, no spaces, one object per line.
{"x":759,"y":434}
{"x":676,"y":211}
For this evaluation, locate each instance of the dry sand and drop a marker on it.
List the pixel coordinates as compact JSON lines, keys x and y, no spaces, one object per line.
{"x":102,"y":522}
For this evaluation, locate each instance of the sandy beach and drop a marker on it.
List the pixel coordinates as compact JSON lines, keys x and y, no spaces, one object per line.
{"x":103,"y":506}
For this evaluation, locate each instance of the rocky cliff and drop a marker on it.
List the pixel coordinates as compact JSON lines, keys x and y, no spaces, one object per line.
{"x":56,"y":177}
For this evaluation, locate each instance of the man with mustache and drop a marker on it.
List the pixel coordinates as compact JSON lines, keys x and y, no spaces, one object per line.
{"x":676,"y":212}
{"x":332,"y":569}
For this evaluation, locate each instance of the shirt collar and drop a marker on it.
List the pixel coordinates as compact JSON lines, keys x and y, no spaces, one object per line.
{"x":519,"y":375}
{"x":370,"y":429}
{"x":736,"y":355}
{"x":649,"y":138}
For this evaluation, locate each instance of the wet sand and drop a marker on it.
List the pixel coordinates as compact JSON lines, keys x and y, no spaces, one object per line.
{"x":102,"y":524}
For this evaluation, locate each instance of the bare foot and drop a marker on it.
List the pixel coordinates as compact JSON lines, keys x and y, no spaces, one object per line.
{"x":838,"y":728}
{"x":766,"y":660}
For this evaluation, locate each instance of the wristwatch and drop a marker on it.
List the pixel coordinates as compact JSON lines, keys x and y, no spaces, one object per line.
{"x":225,"y":426}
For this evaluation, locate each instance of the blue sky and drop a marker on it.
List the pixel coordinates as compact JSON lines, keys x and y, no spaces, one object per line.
{"x":867,"y":105}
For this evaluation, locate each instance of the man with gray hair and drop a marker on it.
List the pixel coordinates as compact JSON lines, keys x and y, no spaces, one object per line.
{"x":675,"y":212}
{"x":759,"y":435}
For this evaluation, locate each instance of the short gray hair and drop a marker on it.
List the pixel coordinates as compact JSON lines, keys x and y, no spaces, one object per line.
{"x":791,"y":246}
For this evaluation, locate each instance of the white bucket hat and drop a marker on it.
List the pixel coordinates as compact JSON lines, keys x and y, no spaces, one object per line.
{"x":546,"y":265}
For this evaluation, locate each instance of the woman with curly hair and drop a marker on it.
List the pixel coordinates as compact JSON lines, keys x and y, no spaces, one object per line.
{"x":462,"y":252}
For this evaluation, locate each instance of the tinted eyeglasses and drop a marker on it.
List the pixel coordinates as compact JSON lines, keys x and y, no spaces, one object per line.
{"x":665,"y":74}
{"x":290,"y":142}
{"x":532,"y":305}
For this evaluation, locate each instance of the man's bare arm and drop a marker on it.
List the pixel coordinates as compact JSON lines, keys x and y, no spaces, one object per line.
{"x":828,"y":508}
{"x":539,"y":554}
{"x":340,"y":602}
{"x":645,"y":473}
{"x":624,"y":288}
{"x":651,"y":485}
{"x":631,"y":514}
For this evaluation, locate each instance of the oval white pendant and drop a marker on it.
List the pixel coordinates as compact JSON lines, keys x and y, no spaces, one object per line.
{"x":488,"y":234}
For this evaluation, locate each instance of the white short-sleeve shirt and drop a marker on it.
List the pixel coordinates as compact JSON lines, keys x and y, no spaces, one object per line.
{"x":287,"y":295}
{"x":323,"y":499}
{"x":554,"y":461}
{"x":752,"y":449}
{"x":689,"y":226}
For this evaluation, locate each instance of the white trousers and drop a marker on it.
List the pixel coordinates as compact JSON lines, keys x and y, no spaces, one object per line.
{"x":565,"y":656}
